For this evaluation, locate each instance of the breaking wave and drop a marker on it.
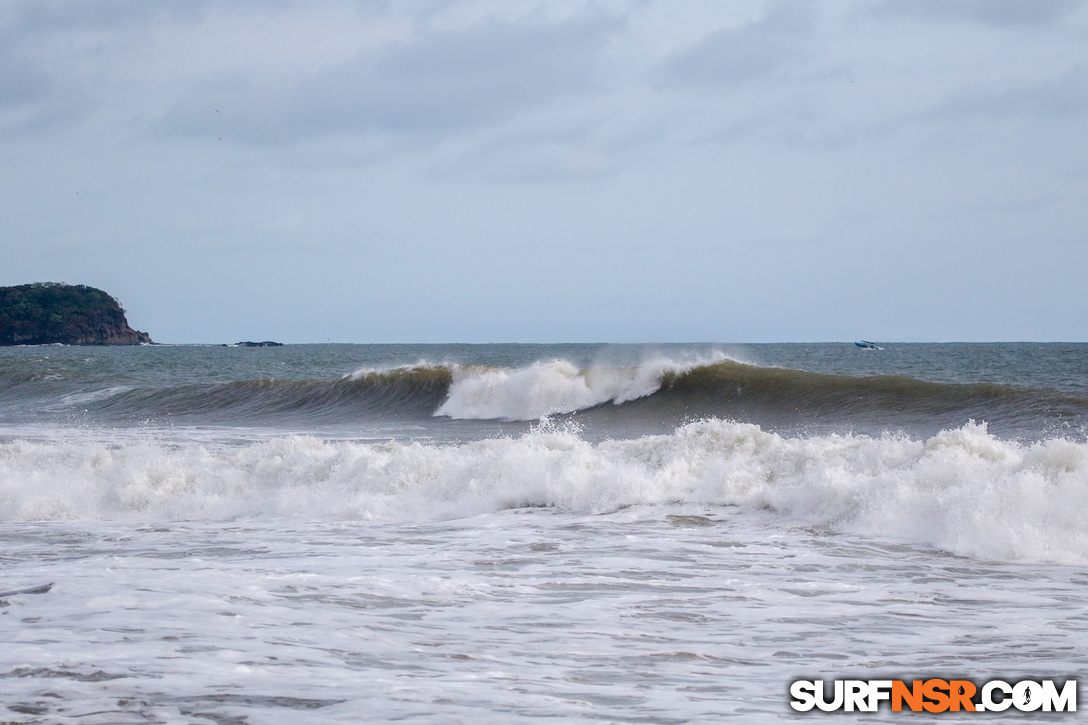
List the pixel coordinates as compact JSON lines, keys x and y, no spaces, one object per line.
{"x":962,"y":490}
{"x":658,"y":395}
{"x":550,"y":388}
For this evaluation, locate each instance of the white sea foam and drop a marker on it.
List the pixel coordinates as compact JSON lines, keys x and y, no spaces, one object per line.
{"x":552,"y":387}
{"x":543,"y":388}
{"x":963,"y":490}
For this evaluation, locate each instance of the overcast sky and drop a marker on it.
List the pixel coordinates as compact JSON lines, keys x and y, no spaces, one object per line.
{"x":430,"y":171}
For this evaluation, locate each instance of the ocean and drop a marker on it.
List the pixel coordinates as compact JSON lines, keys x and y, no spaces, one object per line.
{"x":506,"y":533}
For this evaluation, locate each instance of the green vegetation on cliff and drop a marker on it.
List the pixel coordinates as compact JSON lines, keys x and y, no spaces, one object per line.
{"x":47,"y":312}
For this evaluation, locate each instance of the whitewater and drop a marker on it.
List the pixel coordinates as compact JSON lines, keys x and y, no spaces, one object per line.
{"x":342,"y":533}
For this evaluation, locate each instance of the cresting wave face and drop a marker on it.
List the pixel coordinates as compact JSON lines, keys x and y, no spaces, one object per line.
{"x":612,"y":400}
{"x":551,"y":388}
{"x":963,"y":490}
{"x":719,"y":386}
{"x":544,"y":388}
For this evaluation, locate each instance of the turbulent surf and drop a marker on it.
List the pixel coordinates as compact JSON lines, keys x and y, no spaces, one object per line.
{"x":611,"y":399}
{"x":493,"y":533}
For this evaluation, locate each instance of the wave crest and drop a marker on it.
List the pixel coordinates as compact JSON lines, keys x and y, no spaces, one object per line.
{"x":651,"y":397}
{"x":551,"y":388}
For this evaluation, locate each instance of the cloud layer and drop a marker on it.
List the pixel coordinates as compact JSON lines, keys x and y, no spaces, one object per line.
{"x":576,"y":170}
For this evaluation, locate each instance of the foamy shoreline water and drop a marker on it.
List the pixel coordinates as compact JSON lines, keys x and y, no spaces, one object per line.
{"x":673,"y":614}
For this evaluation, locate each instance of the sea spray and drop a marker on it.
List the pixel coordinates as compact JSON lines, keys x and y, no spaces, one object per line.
{"x":554,"y":387}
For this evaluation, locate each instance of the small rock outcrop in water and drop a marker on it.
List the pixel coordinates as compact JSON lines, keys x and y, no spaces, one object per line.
{"x":46,"y":313}
{"x":266,"y":343}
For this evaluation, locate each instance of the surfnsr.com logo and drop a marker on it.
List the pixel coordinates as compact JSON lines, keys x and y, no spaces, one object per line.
{"x":935,"y":695}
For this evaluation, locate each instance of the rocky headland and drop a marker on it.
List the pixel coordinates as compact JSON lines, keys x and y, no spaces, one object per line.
{"x":46,"y":313}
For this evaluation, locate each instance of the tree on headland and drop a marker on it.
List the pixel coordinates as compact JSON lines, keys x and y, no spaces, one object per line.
{"x":45,"y":313}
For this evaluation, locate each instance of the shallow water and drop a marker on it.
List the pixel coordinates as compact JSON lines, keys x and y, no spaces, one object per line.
{"x":651,"y":614}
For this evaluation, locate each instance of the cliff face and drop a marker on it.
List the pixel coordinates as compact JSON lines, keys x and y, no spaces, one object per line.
{"x":47,"y":312}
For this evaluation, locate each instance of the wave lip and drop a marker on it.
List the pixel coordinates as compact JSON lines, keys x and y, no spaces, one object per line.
{"x":553,"y":387}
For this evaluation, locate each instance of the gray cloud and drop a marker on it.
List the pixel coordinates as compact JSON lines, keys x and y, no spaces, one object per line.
{"x":42,"y":43}
{"x":437,"y":82}
{"x":60,"y":60}
{"x":991,"y":12}
{"x":735,"y":55}
{"x":1063,"y":96}
{"x":421,"y":150}
{"x":21,"y":83}
{"x":31,"y":99}
{"x":36,"y":17}
{"x":551,"y":153}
